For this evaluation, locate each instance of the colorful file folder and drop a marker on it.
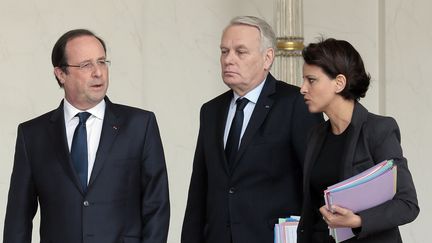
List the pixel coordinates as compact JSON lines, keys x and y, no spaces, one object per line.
{"x":286,"y":230}
{"x":365,"y":190}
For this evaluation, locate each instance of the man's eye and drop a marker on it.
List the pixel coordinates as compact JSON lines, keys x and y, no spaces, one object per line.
{"x":86,"y":65}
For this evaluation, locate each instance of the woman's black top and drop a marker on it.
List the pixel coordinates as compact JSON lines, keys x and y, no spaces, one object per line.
{"x":326,"y":171}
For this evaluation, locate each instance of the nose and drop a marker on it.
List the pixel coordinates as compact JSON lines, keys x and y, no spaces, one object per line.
{"x":97,"y":71}
{"x":227,"y":58}
{"x":303,"y":88}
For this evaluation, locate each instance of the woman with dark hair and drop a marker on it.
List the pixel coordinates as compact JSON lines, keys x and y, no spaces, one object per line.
{"x":349,"y":142}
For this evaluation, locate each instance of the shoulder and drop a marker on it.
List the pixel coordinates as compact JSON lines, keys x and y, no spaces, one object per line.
{"x":288,"y":99}
{"x":41,"y":120}
{"x":288,"y":94}
{"x":372,"y":124}
{"x":377,"y":128}
{"x":133,"y":119}
{"x":125,"y":110}
{"x":281,"y":88}
{"x":287,"y":88}
{"x":378,"y":124}
{"x":218,"y":102}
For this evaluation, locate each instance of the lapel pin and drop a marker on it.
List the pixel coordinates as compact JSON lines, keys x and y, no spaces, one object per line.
{"x":115,"y":127}
{"x":267,"y":106}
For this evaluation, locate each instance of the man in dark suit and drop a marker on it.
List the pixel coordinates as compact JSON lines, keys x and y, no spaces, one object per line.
{"x":98,"y":179}
{"x":239,"y":189}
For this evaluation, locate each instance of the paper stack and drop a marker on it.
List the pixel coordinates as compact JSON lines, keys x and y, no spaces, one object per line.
{"x":365,"y":190}
{"x":286,"y":230}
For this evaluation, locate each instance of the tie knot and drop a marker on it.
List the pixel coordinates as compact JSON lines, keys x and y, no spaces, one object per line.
{"x":241,"y":103}
{"x":83,"y":116}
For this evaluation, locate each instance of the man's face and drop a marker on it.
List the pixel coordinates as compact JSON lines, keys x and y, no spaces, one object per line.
{"x":84,"y":87}
{"x":244,"y":64}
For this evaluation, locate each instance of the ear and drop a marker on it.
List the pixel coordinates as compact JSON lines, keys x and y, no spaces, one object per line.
{"x":60,"y":74}
{"x":340,"y":82}
{"x":268,"y":58}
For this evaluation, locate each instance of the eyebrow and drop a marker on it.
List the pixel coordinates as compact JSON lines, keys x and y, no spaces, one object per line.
{"x":310,"y":76}
{"x":97,"y":59}
{"x":241,"y":46}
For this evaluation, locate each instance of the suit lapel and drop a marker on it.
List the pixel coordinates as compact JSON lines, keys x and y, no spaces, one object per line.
{"x":317,"y":141}
{"x":358,"y":118}
{"x":57,"y":132}
{"x":221,"y":116}
{"x":262,"y":108}
{"x":110,"y":128}
{"x":313,"y":149}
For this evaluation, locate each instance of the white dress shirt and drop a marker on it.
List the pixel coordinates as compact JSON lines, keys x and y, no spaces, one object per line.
{"x":252,"y":96}
{"x":93,"y":127}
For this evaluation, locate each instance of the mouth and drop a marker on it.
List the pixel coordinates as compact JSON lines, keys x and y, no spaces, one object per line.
{"x":229,"y":73}
{"x":97,"y":86}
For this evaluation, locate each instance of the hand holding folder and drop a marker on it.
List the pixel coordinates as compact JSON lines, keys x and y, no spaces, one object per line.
{"x":365,"y":190}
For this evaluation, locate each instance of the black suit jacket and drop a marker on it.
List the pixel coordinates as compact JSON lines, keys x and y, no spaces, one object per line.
{"x":264,"y":182}
{"x":127,"y":196}
{"x":370,"y":140}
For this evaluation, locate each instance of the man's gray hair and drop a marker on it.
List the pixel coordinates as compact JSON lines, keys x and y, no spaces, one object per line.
{"x":268,"y":37}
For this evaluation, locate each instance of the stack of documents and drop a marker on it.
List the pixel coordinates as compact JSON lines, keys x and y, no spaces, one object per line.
{"x":365,"y":190}
{"x":286,"y":230}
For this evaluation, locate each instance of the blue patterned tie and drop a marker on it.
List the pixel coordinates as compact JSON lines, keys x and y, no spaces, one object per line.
{"x":233,"y":140}
{"x":79,"y":153}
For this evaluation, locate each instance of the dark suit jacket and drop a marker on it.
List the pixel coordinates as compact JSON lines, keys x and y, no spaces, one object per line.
{"x":370,"y":140}
{"x":264,"y":182}
{"x":127,"y":196}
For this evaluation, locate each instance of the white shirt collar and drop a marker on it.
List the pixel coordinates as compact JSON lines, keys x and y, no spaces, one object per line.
{"x":252,"y":95}
{"x":70,"y":111}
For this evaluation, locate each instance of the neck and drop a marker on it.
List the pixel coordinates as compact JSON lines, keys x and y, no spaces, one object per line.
{"x":340,"y":115}
{"x":243,"y":89}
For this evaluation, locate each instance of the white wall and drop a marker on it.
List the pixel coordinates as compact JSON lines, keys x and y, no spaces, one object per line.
{"x":165,"y":58}
{"x":408,"y":96}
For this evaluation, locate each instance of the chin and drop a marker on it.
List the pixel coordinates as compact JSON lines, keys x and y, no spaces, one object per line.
{"x":97,"y":97}
{"x":313,"y":109}
{"x":229,"y":81}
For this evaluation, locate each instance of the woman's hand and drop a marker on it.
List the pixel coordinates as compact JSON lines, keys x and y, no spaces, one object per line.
{"x":340,"y":217}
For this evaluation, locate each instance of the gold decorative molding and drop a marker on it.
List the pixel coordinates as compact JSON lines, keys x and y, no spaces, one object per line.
{"x":289,"y":46}
{"x":288,"y":23}
{"x":290,"y":43}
